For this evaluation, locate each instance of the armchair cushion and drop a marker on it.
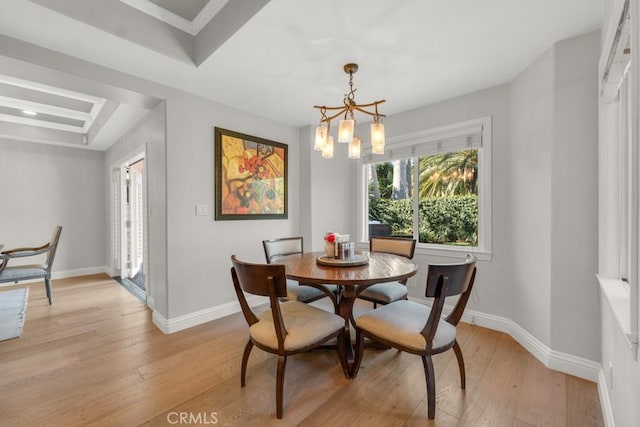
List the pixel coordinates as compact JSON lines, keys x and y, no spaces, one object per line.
{"x":385,"y":292}
{"x":22,"y":272}
{"x":305,"y":326}
{"x":402,"y":322}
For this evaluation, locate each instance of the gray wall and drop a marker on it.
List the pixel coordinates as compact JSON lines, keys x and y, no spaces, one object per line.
{"x":544,"y":223}
{"x":328,"y":202}
{"x":199,"y":248}
{"x":47,"y":185}
{"x":531,"y":121}
{"x":553,"y":154}
{"x":492,"y":291}
{"x":574,"y":200}
{"x":150,"y":133}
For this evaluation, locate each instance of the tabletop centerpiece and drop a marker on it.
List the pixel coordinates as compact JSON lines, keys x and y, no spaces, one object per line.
{"x":339,"y":251}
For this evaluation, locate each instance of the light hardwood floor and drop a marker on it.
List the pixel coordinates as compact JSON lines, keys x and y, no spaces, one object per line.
{"x":95,"y":358}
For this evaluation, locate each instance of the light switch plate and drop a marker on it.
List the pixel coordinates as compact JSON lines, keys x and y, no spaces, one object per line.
{"x":202,"y":210}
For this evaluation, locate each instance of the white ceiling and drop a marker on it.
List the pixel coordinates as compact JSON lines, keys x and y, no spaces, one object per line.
{"x":280,"y":59}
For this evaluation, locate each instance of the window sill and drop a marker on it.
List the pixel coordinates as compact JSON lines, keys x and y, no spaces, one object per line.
{"x":457,"y":252}
{"x":617,"y":294}
{"x":460,"y":252}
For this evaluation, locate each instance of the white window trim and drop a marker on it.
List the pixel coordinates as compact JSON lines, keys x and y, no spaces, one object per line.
{"x":622,"y":296}
{"x":484,"y":250}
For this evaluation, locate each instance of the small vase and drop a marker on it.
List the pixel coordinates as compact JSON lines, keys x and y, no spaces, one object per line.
{"x":329,"y":249}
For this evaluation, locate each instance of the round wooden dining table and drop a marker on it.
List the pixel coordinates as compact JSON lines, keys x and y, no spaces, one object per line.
{"x":352,"y":280}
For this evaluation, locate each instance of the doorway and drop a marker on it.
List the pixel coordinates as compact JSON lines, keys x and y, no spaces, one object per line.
{"x":129,"y":226}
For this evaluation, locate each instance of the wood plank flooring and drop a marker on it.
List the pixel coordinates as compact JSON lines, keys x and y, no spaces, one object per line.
{"x":95,"y":358}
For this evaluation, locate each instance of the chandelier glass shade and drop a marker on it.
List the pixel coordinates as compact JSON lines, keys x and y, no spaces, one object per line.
{"x":346,"y":128}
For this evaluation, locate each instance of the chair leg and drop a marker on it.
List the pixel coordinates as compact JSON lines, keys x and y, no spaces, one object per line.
{"x":342,"y":353}
{"x":456,"y":349}
{"x":282,"y":363}
{"x":427,"y":363}
{"x":359,"y":350}
{"x":375,"y":305}
{"x":245,"y":359}
{"x":47,"y":282}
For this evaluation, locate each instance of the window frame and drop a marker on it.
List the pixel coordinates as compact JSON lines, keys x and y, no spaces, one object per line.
{"x":433,"y":136}
{"x":619,"y":179}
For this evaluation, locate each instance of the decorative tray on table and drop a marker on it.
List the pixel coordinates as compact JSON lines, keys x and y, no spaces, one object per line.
{"x":358,"y":259}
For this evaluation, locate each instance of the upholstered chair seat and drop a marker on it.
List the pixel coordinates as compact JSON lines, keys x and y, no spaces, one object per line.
{"x":23,"y":272}
{"x":402,"y":322}
{"x":384,"y":293}
{"x":305,"y":324}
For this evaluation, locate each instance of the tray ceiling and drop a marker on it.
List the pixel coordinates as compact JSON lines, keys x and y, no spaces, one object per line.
{"x":278,"y":58}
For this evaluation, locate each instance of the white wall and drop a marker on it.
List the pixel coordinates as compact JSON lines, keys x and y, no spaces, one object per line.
{"x":47,"y":185}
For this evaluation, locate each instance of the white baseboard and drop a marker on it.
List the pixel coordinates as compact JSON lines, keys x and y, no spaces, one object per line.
{"x":552,"y":359}
{"x":79,"y":272}
{"x":605,"y":400}
{"x":175,"y":324}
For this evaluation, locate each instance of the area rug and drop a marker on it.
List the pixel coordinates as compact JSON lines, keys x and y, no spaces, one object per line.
{"x":13,"y":307}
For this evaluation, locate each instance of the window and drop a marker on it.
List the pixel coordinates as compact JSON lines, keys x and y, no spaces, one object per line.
{"x":433,"y":186}
{"x":619,"y":226}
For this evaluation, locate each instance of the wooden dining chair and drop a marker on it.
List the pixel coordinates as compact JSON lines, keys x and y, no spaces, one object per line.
{"x":419,"y":329}
{"x":385,"y":293}
{"x":276,"y":248}
{"x":286,"y":328}
{"x":20,"y":273}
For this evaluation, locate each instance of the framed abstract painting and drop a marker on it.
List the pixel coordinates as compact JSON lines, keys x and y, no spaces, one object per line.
{"x":250,"y":177}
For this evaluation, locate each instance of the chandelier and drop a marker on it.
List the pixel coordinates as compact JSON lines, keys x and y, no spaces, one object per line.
{"x":324,"y":141}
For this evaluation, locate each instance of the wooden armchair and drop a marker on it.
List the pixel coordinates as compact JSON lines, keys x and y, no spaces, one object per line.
{"x":275,"y":248}
{"x":385,"y":293}
{"x":285,"y":328}
{"x":418,"y":329}
{"x":27,"y":272}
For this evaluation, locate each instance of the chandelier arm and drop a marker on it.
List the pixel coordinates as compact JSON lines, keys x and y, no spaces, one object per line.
{"x":339,"y":113}
{"x":369,"y":113}
{"x":320,"y":107}
{"x":373,"y":104}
